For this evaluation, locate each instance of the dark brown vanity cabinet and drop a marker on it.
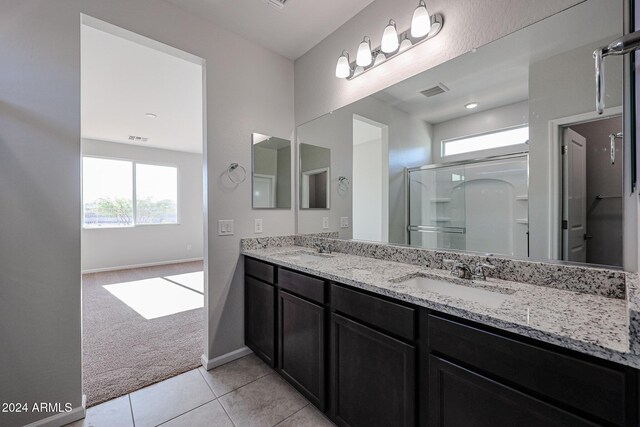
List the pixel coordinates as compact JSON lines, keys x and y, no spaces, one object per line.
{"x":372,"y":377}
{"x":259,"y":310}
{"x":368,"y":360}
{"x":301,"y":333}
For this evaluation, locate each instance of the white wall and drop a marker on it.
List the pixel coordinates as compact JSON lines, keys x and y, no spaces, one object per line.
{"x":467,"y":24}
{"x":40,"y":219}
{"x":109,"y":248}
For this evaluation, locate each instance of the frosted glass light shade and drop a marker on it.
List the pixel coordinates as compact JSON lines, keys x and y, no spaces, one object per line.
{"x":343,"y":68}
{"x":421,"y":22}
{"x":364,"y":58}
{"x":390,"y":38}
{"x":406,"y":44}
{"x":380,"y":58}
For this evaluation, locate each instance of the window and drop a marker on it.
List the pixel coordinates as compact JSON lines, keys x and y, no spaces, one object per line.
{"x":110,"y":186}
{"x":501,"y":138}
{"x":156,"y":194}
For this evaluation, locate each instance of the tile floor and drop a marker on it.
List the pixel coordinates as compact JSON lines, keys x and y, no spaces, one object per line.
{"x":245,"y":392}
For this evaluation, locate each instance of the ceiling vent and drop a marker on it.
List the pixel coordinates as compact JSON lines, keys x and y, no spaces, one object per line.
{"x":135,"y":138}
{"x":436,"y":90}
{"x":278,"y":4}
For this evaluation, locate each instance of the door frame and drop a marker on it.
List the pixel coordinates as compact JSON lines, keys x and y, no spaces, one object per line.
{"x":272,"y":183}
{"x":305,"y":187}
{"x":555,"y":199}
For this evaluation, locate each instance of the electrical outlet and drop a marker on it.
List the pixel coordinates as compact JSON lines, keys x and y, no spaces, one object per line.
{"x":325,"y":222}
{"x":257,"y":225}
{"x":344,"y":222}
{"x":225,"y":227}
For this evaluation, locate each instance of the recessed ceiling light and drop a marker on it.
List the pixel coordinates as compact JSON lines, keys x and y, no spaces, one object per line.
{"x":471,"y":105}
{"x":151,"y":115}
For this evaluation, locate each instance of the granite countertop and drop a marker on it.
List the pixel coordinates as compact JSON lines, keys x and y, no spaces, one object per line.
{"x":591,"y":324}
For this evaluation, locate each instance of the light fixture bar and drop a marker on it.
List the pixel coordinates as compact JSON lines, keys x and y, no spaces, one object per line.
{"x":437,"y":22}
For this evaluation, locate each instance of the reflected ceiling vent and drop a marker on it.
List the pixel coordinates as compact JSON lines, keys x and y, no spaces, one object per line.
{"x":278,"y":4}
{"x":436,"y":90}
{"x":135,"y":138}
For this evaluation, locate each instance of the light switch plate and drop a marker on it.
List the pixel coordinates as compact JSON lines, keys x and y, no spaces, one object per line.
{"x":257,"y":225}
{"x":325,"y":222}
{"x":225,"y":227}
{"x":344,"y":222}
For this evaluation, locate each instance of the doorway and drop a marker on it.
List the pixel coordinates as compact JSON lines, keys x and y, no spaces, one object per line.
{"x":370,"y":184}
{"x":143,"y":237}
{"x":592,"y":188}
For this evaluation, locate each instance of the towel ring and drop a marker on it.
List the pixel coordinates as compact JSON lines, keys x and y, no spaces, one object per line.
{"x":343,"y":183}
{"x":232,"y":173}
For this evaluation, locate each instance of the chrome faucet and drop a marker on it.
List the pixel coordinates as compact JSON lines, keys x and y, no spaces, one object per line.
{"x":323,"y":248}
{"x":463,"y":271}
{"x":478,"y":271}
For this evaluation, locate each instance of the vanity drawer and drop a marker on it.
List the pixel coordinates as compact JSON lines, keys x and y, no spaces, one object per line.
{"x":259,"y":270}
{"x":395,"y":318}
{"x":303,"y":285}
{"x":585,"y":386}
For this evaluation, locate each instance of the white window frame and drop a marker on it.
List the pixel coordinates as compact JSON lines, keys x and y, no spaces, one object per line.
{"x":484,"y":152}
{"x":134,"y":194}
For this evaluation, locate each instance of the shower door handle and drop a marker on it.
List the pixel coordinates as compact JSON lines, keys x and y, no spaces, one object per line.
{"x":623,"y":45}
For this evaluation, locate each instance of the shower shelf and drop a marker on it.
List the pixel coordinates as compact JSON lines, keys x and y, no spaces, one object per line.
{"x":522,"y":221}
{"x":441,"y":200}
{"x":522,"y":198}
{"x":441,"y":219}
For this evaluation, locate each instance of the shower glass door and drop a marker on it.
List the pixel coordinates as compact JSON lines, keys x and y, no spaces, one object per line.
{"x":479,"y":206}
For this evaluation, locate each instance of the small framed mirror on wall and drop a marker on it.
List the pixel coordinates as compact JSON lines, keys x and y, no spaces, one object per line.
{"x":270,"y":172}
{"x":315,"y":177}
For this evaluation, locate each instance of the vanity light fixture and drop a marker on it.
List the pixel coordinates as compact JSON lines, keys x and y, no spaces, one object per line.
{"x":390,"y":38}
{"x":423,"y":27}
{"x":471,"y":105}
{"x":364,"y":57}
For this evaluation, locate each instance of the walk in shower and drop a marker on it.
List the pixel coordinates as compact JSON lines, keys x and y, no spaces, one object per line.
{"x":479,"y":205}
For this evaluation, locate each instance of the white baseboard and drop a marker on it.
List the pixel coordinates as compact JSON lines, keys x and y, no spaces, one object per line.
{"x":63,"y":418}
{"x":225,"y":358}
{"x":148,"y":264}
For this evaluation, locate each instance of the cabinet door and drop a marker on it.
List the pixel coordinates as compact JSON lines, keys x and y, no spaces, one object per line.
{"x":459,"y":397}
{"x":259,"y":300}
{"x":372,"y":377}
{"x":302,"y":361}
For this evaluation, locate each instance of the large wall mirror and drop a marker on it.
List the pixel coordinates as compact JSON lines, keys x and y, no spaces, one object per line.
{"x":497,"y":151}
{"x":271,"y":172}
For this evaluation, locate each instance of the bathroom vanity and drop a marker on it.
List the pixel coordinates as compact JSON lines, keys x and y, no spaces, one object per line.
{"x":378,"y":342}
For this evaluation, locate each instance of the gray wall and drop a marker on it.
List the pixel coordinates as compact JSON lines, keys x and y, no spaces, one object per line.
{"x":108,"y":248}
{"x":40,"y":179}
{"x":467,"y":24}
{"x":604,"y":217}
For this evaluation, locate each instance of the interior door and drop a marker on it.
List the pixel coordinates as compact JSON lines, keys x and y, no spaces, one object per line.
{"x":263,"y":191}
{"x":574,"y":246}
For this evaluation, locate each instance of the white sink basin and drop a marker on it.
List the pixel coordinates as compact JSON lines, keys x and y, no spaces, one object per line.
{"x":469,"y":292}
{"x":306,"y":256}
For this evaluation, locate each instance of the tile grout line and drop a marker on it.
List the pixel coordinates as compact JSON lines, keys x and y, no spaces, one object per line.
{"x":207,"y":382}
{"x":184,"y":413}
{"x":250,"y":382}
{"x":133,"y":420}
{"x":280,"y":422}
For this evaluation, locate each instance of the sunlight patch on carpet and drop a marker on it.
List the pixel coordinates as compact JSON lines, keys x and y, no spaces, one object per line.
{"x":193,"y":280}
{"x":157,"y":297}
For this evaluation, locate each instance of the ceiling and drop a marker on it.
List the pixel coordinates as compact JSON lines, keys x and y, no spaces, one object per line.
{"x":500,"y":70}
{"x":123,"y":80}
{"x":290,"y":31}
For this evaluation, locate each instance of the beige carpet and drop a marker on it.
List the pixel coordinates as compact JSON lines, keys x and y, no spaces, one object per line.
{"x":123,"y":351}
